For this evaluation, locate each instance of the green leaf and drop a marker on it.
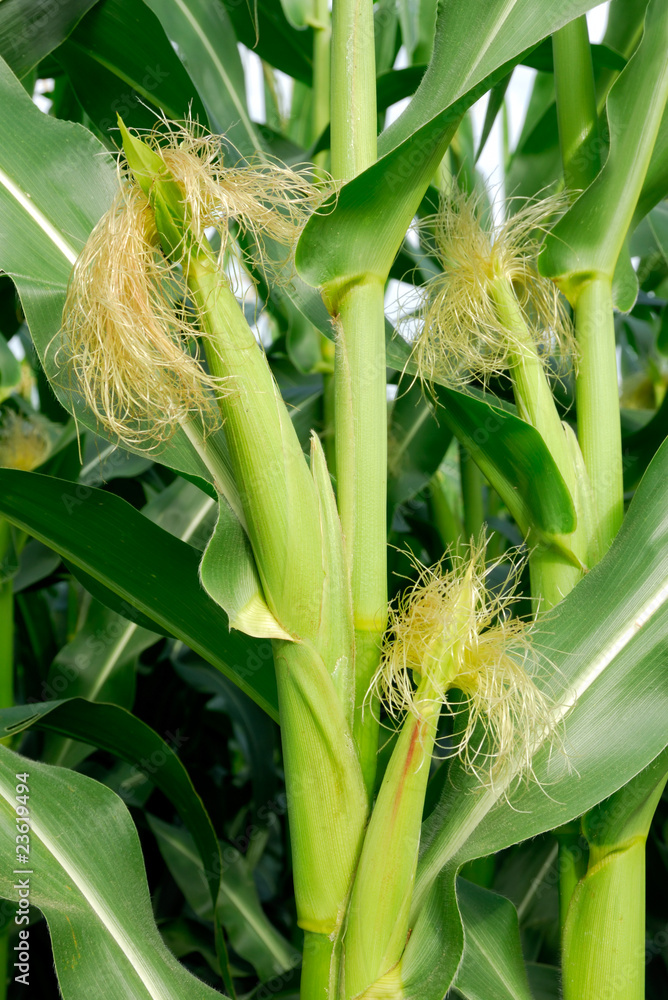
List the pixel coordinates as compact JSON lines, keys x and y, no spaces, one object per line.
{"x":640,"y":446}
{"x":588,"y":239}
{"x":30,"y":29}
{"x":497,"y":96}
{"x":238,"y":906}
{"x":602,"y":57}
{"x":396,"y":84}
{"x":119,"y":56}
{"x":297,"y":12}
{"x":409,"y":19}
{"x":111,"y":728}
{"x":263,"y":27}
{"x":144,"y":565}
{"x":513,"y":457}
{"x":469,"y":45}
{"x":624,"y":25}
{"x":545,"y":981}
{"x":103,"y":462}
{"x":99,"y":662}
{"x":87,"y":877}
{"x":600,"y":656}
{"x":509,"y":452}
{"x":473,"y":50}
{"x":418,"y":440}
{"x":48,"y":207}
{"x":469,"y":937}
{"x":431,"y":958}
{"x":655,"y":187}
{"x":537,"y":158}
{"x":204,"y":39}
{"x":492,"y":963}
{"x":255,"y":732}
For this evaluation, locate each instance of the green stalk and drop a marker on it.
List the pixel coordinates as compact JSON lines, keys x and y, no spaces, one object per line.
{"x":554,"y":568}
{"x":597,"y":398}
{"x":572,"y":865}
{"x":597,"y":395}
{"x":604,"y":935}
{"x":320,"y":967}
{"x":582,"y":251}
{"x":576,"y":104}
{"x":361,"y":395}
{"x":472,"y":482}
{"x":361,"y":467}
{"x":446,"y":519}
{"x":353,"y":94}
{"x":322,"y":34}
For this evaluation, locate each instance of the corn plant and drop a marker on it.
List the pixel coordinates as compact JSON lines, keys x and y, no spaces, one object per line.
{"x":236,"y":496}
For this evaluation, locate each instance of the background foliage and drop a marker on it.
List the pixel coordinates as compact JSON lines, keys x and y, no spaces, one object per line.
{"x":126,"y":671}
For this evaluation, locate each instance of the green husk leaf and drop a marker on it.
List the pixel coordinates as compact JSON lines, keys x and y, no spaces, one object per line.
{"x":229,"y":576}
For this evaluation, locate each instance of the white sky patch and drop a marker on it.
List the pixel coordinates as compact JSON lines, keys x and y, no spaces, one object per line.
{"x":42,"y":88}
{"x":597,"y":20}
{"x":400,"y":299}
{"x":393,"y":112}
{"x":16,"y":347}
{"x":252,"y":65}
{"x":284,"y":87}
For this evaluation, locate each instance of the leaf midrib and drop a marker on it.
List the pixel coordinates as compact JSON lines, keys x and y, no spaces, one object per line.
{"x":154,"y":985}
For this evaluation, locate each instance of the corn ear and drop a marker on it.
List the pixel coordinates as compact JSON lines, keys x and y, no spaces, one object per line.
{"x":295,"y":542}
{"x":378,"y":914}
{"x":336,"y":637}
{"x":326,"y":793}
{"x":277,"y":492}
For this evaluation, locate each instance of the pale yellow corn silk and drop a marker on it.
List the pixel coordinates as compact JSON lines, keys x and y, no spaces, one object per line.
{"x":451,"y":629}
{"x":25,"y":440}
{"x":267,"y":200}
{"x":461,"y":336}
{"x":125,"y":345}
